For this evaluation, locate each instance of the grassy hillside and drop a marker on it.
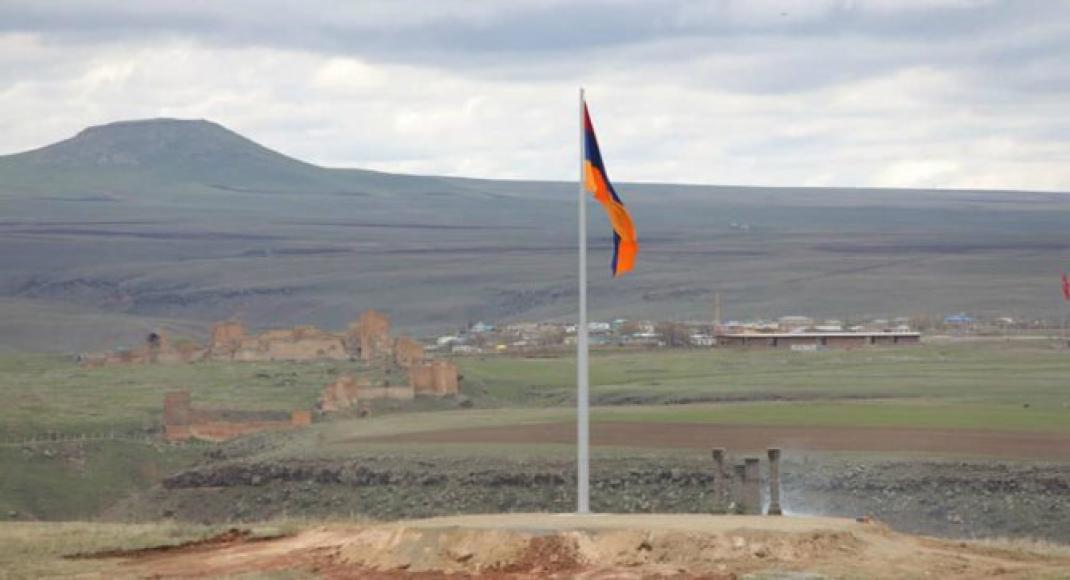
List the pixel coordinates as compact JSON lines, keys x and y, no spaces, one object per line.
{"x":78,"y":480}
{"x":174,"y":220}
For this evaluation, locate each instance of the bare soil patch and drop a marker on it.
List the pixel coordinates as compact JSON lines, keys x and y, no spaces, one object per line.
{"x":231,"y":537}
{"x":602,"y":546}
{"x":1012,"y":444}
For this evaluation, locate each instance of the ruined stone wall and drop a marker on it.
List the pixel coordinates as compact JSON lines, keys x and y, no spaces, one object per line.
{"x":303,"y":349}
{"x":421,"y":379}
{"x":438,"y":378}
{"x":156,"y":349}
{"x":226,"y":337}
{"x":399,"y":393}
{"x":408,"y":352}
{"x":343,"y":393}
{"x":369,"y":337}
{"x":301,"y":343}
{"x":176,"y":432}
{"x":348,"y":391}
{"x":374,"y":335}
{"x":352,"y":338}
{"x":182,"y":421}
{"x":444,"y":377}
{"x":223,"y":430}
{"x":119,"y":357}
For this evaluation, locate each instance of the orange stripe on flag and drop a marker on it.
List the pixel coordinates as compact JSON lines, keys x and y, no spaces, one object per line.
{"x":619,"y":218}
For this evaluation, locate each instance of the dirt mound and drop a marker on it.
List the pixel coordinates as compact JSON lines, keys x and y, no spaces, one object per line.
{"x":600,"y":546}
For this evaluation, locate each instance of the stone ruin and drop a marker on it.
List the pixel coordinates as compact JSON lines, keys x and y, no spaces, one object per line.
{"x":367,"y":339}
{"x":182,"y":421}
{"x":300,"y":343}
{"x":437,"y":377}
{"x":373,"y":334}
{"x":351,"y":392}
{"x":738,"y":489}
{"x":408,"y":352}
{"x":157,"y":349}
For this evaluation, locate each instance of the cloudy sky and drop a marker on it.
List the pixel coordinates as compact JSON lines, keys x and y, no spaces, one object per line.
{"x":903,"y":93}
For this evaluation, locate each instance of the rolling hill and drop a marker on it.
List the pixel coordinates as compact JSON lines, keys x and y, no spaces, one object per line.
{"x":180,"y":223}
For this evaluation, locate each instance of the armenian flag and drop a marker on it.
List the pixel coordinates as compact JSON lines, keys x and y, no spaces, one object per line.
{"x":595,"y":181}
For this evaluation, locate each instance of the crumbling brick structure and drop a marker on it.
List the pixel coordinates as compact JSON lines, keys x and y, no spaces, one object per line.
{"x":182,"y":421}
{"x":374,"y":329}
{"x":157,"y":348}
{"x":341,"y":394}
{"x":230,"y":341}
{"x":227,"y":336}
{"x":348,"y":392}
{"x":408,"y":352}
{"x":438,"y":378}
{"x":368,"y":338}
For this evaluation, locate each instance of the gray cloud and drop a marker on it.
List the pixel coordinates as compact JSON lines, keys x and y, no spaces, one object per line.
{"x":881,"y":92}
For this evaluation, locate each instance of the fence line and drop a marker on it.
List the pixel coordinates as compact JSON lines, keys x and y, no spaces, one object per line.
{"x":48,"y":437}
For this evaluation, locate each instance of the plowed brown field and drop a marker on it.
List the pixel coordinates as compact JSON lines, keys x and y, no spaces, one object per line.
{"x":1011,"y":444}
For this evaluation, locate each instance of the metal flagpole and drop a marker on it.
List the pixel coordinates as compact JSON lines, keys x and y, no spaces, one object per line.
{"x":583,"y":500}
{"x":1066,"y":336}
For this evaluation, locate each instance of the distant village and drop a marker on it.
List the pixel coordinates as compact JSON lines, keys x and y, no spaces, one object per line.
{"x":790,"y":332}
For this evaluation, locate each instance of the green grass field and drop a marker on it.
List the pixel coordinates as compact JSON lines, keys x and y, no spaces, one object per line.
{"x":53,"y":393}
{"x":983,"y":373}
{"x":997,"y":386}
{"x":78,"y":480}
{"x":986,"y":385}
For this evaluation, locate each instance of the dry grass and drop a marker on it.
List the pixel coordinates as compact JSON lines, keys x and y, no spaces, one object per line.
{"x":1027,"y":546}
{"x":38,"y":549}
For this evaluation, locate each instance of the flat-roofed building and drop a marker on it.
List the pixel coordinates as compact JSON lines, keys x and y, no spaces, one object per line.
{"x":816,"y":340}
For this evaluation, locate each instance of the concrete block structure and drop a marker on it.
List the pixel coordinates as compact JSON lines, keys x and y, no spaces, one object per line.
{"x":774,"y":483}
{"x":751,"y":499}
{"x":737,"y":486}
{"x":816,"y":340}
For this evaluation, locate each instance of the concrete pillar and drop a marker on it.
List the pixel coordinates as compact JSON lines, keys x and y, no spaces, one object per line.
{"x":738,"y":501}
{"x":720,"y":481}
{"x":774,"y":483}
{"x":752,"y":486}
